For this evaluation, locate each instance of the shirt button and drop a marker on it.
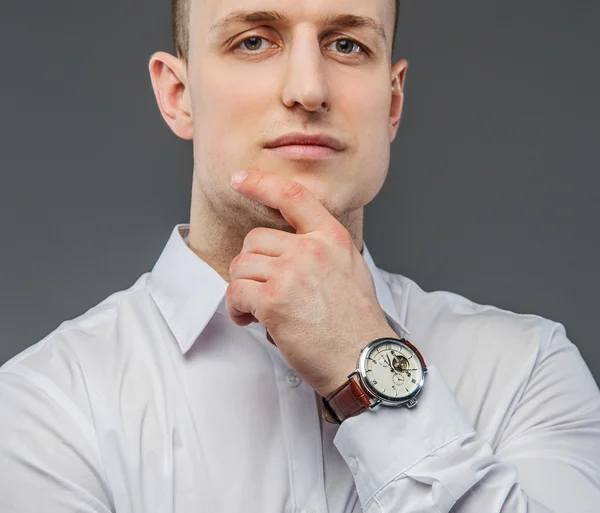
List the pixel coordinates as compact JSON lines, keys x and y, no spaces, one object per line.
{"x":353,"y":464}
{"x":292,"y":379}
{"x":307,"y":509}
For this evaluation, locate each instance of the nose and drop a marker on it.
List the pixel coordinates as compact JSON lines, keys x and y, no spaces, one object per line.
{"x":305,"y":80}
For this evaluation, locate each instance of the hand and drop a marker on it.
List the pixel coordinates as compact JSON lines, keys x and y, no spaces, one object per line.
{"x":312,"y":290}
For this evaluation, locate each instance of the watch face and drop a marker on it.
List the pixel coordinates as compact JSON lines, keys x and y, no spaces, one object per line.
{"x":392,"y":370}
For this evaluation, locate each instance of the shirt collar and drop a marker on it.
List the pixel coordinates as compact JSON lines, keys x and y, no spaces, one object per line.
{"x":384,"y":295}
{"x":188,"y":291}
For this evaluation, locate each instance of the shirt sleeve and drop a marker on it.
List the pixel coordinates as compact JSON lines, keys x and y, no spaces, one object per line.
{"x":430,"y":458}
{"x":48,"y":456}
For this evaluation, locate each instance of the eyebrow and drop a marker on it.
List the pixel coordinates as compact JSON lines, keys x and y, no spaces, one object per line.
{"x":338,"y":20}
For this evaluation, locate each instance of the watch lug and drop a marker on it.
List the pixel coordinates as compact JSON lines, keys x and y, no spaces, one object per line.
{"x":411,"y":403}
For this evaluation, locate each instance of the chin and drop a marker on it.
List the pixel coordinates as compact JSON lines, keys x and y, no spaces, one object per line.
{"x":267,"y":217}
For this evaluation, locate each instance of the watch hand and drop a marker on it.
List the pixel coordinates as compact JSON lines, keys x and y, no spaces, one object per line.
{"x":389,"y":361}
{"x":391,"y":366}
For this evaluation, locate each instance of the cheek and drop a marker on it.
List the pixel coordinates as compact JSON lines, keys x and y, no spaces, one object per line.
{"x":232,"y":100}
{"x":228,"y":109}
{"x":368,"y":111}
{"x":371,"y":107}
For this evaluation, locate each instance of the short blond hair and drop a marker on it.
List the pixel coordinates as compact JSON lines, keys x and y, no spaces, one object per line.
{"x":180,"y":21}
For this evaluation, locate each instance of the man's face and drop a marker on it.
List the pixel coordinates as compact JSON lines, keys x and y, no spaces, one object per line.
{"x":252,"y":82}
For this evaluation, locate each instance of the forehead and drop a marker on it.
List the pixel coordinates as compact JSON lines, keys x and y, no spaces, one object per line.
{"x":208,"y":17}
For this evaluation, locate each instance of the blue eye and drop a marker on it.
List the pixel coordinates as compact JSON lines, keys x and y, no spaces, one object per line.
{"x":253,"y":44}
{"x":251,"y":38}
{"x":352,"y":45}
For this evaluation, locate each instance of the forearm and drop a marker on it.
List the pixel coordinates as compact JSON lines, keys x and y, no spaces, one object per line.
{"x":430,"y":458}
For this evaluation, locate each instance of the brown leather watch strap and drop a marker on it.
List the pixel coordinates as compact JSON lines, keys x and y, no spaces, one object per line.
{"x":351,"y":398}
{"x":347,"y":400}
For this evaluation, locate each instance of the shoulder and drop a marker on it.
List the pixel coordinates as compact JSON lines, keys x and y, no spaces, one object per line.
{"x":474,"y":343}
{"x":64,"y":364}
{"x":449,"y":314}
{"x":53,"y":395}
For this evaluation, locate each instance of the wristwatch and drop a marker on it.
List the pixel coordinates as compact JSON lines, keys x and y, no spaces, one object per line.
{"x":390,"y":372}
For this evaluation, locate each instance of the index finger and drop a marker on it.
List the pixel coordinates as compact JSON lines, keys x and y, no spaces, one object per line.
{"x":296,"y":203}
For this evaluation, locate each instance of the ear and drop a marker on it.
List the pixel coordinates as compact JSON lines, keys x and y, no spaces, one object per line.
{"x":397,"y":86}
{"x":170,"y":84}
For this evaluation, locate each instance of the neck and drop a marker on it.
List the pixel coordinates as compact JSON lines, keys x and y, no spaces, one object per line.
{"x":217,"y":234}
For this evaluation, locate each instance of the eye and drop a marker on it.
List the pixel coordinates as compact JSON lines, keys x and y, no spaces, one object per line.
{"x":254,"y":43}
{"x":345,"y":45}
{"x":350,"y":44}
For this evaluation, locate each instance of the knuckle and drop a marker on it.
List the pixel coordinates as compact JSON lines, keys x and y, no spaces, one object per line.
{"x":253,"y":236}
{"x":237,"y":260}
{"x":272,"y":294}
{"x":231,"y":288}
{"x":343,"y":237}
{"x":283,"y":263}
{"x":292,"y":190}
{"x":313,"y":247}
{"x":248,"y":243}
{"x":259,"y":231}
{"x":258,"y":181}
{"x":286,"y":273}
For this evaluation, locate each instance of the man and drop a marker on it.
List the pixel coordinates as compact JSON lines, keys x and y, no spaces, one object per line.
{"x":223,"y":381}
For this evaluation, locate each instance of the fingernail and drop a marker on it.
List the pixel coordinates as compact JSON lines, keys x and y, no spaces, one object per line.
{"x":238,"y":177}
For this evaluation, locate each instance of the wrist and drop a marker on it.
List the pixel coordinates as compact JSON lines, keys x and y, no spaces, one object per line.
{"x":349,"y":364}
{"x":390,"y":372}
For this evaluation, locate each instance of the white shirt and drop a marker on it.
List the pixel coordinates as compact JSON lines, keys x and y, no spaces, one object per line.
{"x":154,"y":401}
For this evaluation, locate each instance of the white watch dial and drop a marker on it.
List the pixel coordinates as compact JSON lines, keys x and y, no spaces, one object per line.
{"x":393,"y":370}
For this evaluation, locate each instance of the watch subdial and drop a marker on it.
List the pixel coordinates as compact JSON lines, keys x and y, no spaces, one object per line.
{"x":398,"y":379}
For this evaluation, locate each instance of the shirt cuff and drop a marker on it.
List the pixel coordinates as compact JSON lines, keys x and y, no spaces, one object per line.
{"x":383,"y":442}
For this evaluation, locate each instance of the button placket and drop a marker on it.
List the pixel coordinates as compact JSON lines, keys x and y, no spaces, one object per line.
{"x":300,"y":420}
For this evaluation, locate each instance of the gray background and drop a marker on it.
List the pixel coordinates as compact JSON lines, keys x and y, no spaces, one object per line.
{"x":493,"y":184}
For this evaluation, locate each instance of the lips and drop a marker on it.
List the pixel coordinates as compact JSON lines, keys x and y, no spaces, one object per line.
{"x":300,"y":139}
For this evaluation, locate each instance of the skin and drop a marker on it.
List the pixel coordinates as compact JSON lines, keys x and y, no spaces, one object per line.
{"x":283,"y":260}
